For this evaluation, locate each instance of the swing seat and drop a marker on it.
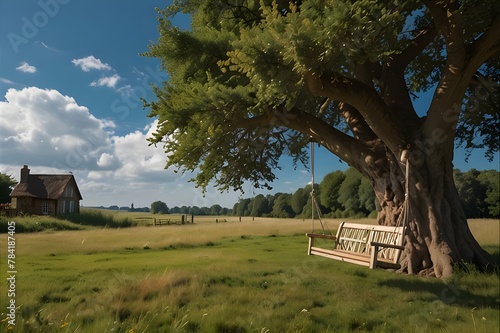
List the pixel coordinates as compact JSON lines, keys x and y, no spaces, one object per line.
{"x":362,"y":244}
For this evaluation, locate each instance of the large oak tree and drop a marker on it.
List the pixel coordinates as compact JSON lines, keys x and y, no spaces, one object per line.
{"x":253,"y":80}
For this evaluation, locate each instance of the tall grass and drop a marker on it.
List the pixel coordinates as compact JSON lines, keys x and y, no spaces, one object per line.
{"x":99,"y":218}
{"x":38,"y":223}
{"x":74,"y":221}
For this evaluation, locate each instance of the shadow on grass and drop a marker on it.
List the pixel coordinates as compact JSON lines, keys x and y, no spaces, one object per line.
{"x":468,"y":287}
{"x":495,"y":253}
{"x":474,"y":291}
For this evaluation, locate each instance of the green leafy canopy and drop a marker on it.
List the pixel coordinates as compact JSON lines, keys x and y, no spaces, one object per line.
{"x":238,"y":77}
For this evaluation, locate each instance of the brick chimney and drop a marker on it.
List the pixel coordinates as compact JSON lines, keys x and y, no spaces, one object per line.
{"x":25,"y":172}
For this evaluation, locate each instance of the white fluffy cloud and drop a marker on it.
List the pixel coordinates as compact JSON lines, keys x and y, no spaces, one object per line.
{"x":51,"y":133}
{"x":109,"y":81}
{"x":140,"y":161}
{"x":90,"y":62}
{"x":43,"y":125}
{"x":106,"y":160}
{"x":26,"y":68}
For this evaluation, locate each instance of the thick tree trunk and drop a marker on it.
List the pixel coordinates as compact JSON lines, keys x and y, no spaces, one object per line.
{"x":437,"y":234}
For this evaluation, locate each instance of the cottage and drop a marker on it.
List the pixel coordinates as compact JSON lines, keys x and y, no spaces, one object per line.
{"x":45,"y":194}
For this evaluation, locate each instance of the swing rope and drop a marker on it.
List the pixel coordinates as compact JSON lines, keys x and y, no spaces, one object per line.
{"x":406,"y":206}
{"x":314,"y":202}
{"x":405,"y":216}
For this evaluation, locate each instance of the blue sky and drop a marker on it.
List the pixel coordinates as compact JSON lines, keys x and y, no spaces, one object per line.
{"x":70,"y":82}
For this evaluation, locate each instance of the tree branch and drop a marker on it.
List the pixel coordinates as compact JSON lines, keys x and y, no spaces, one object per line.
{"x":356,"y":123}
{"x":393,"y":84}
{"x":324,"y":106}
{"x":365,"y":99}
{"x":449,"y":22}
{"x":255,"y":122}
{"x":351,"y":150}
{"x":416,"y":46}
{"x":396,"y":96}
{"x":484,"y":47}
{"x":444,"y":110}
{"x":443,"y":115}
{"x":392,"y":81}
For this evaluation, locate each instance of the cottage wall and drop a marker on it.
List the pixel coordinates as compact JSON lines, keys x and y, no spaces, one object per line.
{"x":23,"y":205}
{"x":34,"y":206}
{"x":46,"y":207}
{"x":69,"y":201}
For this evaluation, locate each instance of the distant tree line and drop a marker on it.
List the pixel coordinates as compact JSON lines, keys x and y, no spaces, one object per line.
{"x":349,"y":194}
{"x":340,"y":194}
{"x":159,"y":207}
{"x":125,"y":208}
{"x":479,"y":192}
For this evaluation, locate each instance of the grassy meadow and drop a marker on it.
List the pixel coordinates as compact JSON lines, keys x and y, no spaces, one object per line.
{"x":230,"y":276}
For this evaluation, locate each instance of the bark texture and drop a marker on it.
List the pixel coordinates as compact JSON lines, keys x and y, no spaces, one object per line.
{"x":437,"y":235}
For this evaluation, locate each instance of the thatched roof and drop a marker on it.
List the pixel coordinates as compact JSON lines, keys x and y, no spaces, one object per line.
{"x":45,"y":187}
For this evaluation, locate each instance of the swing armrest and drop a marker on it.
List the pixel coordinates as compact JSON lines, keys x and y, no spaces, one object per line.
{"x":311,"y":235}
{"x":376,"y":245}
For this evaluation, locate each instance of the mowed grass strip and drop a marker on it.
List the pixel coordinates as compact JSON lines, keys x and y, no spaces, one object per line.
{"x":250,"y":276}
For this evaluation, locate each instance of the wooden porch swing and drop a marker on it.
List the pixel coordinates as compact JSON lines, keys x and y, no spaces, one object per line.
{"x":362,"y":244}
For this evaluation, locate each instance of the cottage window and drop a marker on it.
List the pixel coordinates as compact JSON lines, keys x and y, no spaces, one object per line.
{"x":45,"y":207}
{"x":63,"y":206}
{"x":71,"y":206}
{"x":68,"y":191}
